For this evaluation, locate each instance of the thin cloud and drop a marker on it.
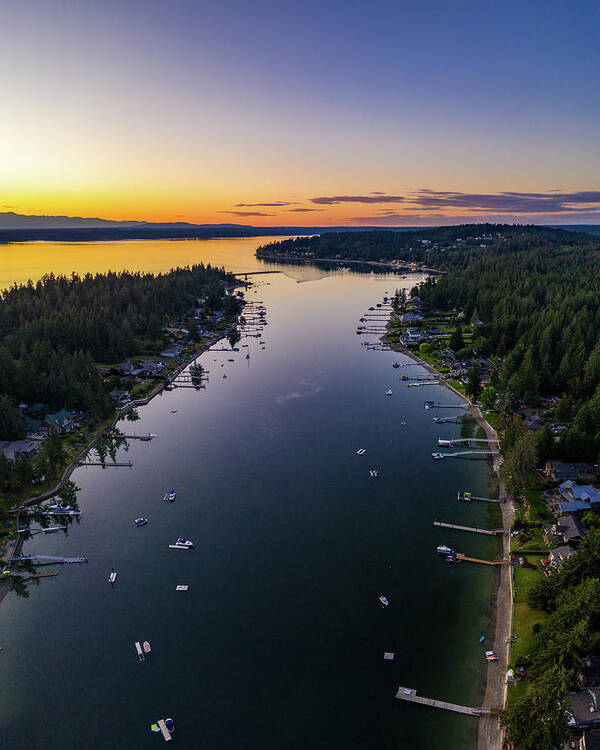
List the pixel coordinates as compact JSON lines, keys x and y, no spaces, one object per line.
{"x":509,"y":202}
{"x":246,"y":213}
{"x":265,"y":205}
{"x":375,"y":198}
{"x":303,"y":210}
{"x":394,"y":218}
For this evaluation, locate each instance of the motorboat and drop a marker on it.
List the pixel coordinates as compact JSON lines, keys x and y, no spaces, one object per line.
{"x":395,"y":364}
{"x":383,"y":600}
{"x":444,"y":550}
{"x":491,"y":656}
{"x":141,"y":521}
{"x":388,"y":392}
{"x":112,"y":576}
{"x":173,"y":411}
{"x":438,"y":456}
{"x":402,"y":424}
{"x":184,"y":542}
{"x":374,"y":472}
{"x":169,"y":497}
{"x":360,"y":451}
{"x":146,"y":646}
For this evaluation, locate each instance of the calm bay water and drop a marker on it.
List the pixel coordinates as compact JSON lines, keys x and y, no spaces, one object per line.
{"x":279,"y":642}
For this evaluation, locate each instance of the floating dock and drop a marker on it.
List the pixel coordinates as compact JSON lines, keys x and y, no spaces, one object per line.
{"x":409,"y":694}
{"x":489,"y":532}
{"x":163,"y":727}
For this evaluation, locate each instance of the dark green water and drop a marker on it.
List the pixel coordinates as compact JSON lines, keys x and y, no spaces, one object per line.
{"x":279,"y":642}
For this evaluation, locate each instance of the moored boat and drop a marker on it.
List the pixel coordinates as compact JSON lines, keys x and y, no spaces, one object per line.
{"x":384,"y":600}
{"x":141,"y":521}
{"x":146,"y":646}
{"x":444,"y":550}
{"x":184,"y":542}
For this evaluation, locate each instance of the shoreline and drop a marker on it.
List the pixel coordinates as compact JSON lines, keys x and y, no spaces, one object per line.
{"x":494,"y":685}
{"x":11,"y":552}
{"x":377,"y":263}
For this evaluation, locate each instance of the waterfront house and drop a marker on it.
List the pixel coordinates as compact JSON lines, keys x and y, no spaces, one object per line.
{"x":411,"y":317}
{"x":559,"y":554}
{"x":62,"y":421}
{"x":560,"y":471}
{"x":570,"y":490}
{"x":15,"y":448}
{"x":585,"y":709}
{"x":566,"y":529}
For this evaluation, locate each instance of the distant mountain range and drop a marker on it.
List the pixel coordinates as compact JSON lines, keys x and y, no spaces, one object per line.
{"x":22,"y":227}
{"x":11,"y":220}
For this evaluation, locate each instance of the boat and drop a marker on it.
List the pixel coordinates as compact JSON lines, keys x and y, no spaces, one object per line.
{"x":181,"y":587}
{"x":173,"y":411}
{"x":140,"y":653}
{"x":184,"y":542}
{"x":482,"y":639}
{"x":388,"y":392}
{"x":141,"y":521}
{"x":169,"y":497}
{"x":402,"y":424}
{"x":146,"y":646}
{"x":170,"y":725}
{"x":444,"y":550}
{"x":395,"y":364}
{"x":383,"y":600}
{"x":452,"y":558}
{"x":113,"y":576}
{"x":374,"y":472}
{"x":360,"y":451}
{"x":439,"y":420}
{"x":438,"y":456}
{"x":491,"y":656}
{"x":247,"y":356}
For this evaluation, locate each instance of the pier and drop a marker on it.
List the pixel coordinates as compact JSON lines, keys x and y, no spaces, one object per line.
{"x":145,"y":438}
{"x":485,"y":499}
{"x":457,"y":454}
{"x":453,"y":441}
{"x":446,"y":406}
{"x":457,"y":527}
{"x":49,"y":559}
{"x":464,"y":558}
{"x":409,"y":694}
{"x":104,"y":464}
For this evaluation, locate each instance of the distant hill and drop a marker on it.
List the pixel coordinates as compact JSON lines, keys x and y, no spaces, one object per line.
{"x":587,"y":228}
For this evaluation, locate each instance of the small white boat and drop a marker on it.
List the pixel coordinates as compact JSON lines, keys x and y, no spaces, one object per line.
{"x":169,"y":497}
{"x":140,"y":653}
{"x":181,"y":587}
{"x":383,"y":600}
{"x":360,"y":452}
{"x":113,"y":576}
{"x":184,"y":542}
{"x":437,"y":456}
{"x":374,"y":472}
{"x":146,"y":646}
{"x":388,"y":392}
{"x":402,"y":424}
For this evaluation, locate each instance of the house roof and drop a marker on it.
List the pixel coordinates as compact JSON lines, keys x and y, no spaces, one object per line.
{"x":585,"y":707}
{"x":589,"y":672}
{"x":568,"y":528}
{"x":561,"y":553}
{"x":573,"y":506}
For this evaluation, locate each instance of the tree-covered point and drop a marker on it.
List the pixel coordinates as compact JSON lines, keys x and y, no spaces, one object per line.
{"x":53,"y":332}
{"x":441,"y":247}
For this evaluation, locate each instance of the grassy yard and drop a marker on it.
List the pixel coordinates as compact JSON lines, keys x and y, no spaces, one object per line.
{"x":524,"y":616}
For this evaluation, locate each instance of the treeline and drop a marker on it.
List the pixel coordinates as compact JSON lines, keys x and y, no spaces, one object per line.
{"x":430,"y":246}
{"x":536,"y":305}
{"x":53,"y":332}
{"x":571,"y":599}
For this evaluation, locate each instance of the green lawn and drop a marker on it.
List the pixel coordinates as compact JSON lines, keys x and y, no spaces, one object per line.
{"x":524,"y":616}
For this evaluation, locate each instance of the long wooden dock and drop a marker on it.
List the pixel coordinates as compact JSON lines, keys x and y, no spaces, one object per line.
{"x":409,"y":694}
{"x":475,"y":530}
{"x":461,"y":556}
{"x":486,"y":499}
{"x":105,"y":464}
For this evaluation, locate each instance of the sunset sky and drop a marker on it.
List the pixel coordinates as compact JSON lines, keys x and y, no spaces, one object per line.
{"x":313,"y":113}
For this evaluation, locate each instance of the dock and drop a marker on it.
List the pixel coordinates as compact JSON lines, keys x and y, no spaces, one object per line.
{"x":105,"y":464}
{"x":485,"y":499}
{"x":457,"y":454}
{"x":409,"y":694}
{"x":464,"y":558}
{"x":49,"y":559}
{"x":457,"y":527}
{"x":161,"y":722}
{"x":453,"y":441}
